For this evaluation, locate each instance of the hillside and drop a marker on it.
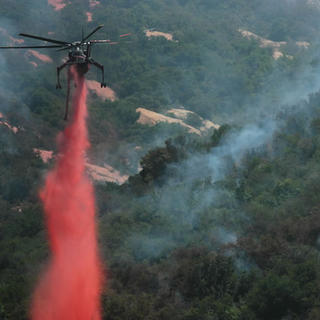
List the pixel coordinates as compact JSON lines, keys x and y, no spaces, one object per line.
{"x":204,"y":155}
{"x":180,"y":116}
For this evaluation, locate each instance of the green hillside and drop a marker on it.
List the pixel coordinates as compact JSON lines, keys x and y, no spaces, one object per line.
{"x":218,"y":226}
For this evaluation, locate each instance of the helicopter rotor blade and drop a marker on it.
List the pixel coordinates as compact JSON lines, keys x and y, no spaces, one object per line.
{"x":90,"y":34}
{"x":31,"y":47}
{"x":109,"y":41}
{"x":42,"y":38}
{"x":100,"y":41}
{"x":120,"y":39}
{"x":115,"y":42}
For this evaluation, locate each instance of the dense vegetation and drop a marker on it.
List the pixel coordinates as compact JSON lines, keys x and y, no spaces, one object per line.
{"x":222,"y":227}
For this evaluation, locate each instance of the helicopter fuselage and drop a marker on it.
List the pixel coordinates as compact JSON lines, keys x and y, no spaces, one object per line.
{"x":79,"y":55}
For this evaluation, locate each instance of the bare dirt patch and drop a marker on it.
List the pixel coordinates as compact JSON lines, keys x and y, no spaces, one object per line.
{"x":93,"y":3}
{"x":57,"y":4}
{"x":4,"y":122}
{"x":274,"y":45}
{"x":103,"y":93}
{"x":89,"y":16}
{"x":45,"y":155}
{"x":151,"y":118}
{"x":103,"y":173}
{"x":167,"y":36}
{"x":40,"y":56}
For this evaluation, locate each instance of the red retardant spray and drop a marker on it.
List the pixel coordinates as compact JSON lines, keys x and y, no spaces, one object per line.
{"x":70,"y":287}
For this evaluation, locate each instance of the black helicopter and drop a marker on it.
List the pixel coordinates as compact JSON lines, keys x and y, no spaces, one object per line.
{"x":79,"y":55}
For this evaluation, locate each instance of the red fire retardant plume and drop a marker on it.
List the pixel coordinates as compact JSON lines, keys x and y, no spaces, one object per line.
{"x":70,"y":287}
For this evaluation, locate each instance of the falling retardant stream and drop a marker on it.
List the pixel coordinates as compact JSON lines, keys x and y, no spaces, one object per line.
{"x":69,"y":289}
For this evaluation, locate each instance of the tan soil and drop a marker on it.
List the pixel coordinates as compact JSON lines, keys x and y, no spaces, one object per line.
{"x":45,"y":155}
{"x":180,"y":113}
{"x":152,"y":118}
{"x":5,"y":33}
{"x":265,"y":43}
{"x":12,"y":128}
{"x":105,"y":174}
{"x":4,"y":122}
{"x":150,"y":34}
{"x":183,"y":115}
{"x":102,"y":174}
{"x":17,"y":41}
{"x":93,"y":3}
{"x":57,"y":4}
{"x":89,"y":16}
{"x":33,"y":63}
{"x":303,"y":44}
{"x":39,"y":56}
{"x":207,"y":125}
{"x":277,"y":54}
{"x":103,"y":93}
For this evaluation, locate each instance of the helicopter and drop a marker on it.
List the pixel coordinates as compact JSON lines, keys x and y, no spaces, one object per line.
{"x":79,"y":56}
